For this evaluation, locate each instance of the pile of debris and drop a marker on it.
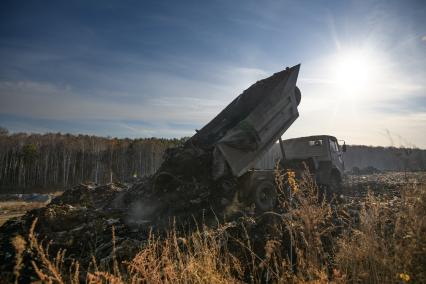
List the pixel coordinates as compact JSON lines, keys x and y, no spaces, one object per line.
{"x":81,"y":220}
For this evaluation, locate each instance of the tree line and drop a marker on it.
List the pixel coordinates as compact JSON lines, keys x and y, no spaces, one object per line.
{"x":385,"y":158}
{"x":361,"y":157}
{"x":57,"y":161}
{"x":63,"y":160}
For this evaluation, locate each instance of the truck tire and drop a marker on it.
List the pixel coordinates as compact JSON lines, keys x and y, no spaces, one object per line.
{"x":335,"y":186}
{"x":265,"y":195}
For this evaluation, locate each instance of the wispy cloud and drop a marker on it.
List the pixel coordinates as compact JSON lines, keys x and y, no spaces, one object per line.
{"x":164,"y":69}
{"x":160,"y":98}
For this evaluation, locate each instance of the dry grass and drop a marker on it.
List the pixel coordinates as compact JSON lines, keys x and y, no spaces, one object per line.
{"x":314,"y":242}
{"x":19,"y":244}
{"x":199,"y":258}
{"x":389,"y":244}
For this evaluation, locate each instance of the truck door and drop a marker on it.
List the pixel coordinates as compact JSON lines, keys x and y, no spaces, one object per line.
{"x":336,"y":155}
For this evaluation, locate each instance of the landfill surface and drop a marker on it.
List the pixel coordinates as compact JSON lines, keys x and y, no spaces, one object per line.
{"x":81,"y":219}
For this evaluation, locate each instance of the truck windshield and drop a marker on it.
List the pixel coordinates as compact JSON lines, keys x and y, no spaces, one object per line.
{"x":317,"y":142}
{"x":333,"y":146}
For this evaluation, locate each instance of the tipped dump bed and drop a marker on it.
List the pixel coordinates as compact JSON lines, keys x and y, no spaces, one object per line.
{"x":251,"y":123}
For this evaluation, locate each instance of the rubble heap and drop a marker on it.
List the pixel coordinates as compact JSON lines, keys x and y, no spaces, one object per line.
{"x":81,"y":219}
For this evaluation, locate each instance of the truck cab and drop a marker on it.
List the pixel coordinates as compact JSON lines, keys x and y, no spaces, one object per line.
{"x":323,"y":155}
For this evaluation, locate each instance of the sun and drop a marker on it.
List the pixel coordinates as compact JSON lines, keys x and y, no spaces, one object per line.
{"x":354,"y":72}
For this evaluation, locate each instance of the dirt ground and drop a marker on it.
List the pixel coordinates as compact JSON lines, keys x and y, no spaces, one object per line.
{"x":15,"y":208}
{"x":10,"y":209}
{"x":15,"y":205}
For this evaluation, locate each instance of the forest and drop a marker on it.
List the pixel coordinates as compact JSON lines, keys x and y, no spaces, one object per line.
{"x":385,"y":158}
{"x":58,"y":161}
{"x":362,"y":158}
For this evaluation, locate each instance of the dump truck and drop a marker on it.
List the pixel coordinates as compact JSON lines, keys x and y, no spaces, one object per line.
{"x":321,"y":155}
{"x":225,"y":151}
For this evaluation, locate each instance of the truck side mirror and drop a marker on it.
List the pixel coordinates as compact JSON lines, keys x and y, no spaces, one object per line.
{"x":344,"y":147}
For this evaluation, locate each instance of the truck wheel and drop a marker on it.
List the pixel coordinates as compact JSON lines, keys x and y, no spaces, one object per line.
{"x":335,"y":184}
{"x":265,"y":196}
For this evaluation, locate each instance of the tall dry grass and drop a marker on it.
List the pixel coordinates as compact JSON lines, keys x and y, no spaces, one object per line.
{"x":389,"y":243}
{"x":309,"y":240}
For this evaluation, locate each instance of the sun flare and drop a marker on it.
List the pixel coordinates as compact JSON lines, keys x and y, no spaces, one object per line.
{"x":354,"y":72}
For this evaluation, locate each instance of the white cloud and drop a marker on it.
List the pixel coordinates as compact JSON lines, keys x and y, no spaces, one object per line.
{"x":51,"y":102}
{"x":154,"y":97}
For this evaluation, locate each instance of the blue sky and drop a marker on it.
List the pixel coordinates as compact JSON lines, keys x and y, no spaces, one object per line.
{"x":165,"y":68}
